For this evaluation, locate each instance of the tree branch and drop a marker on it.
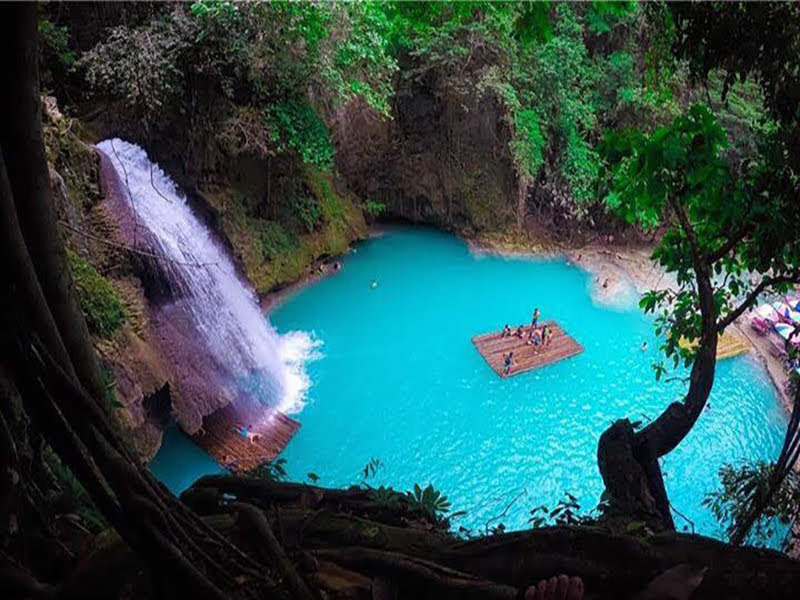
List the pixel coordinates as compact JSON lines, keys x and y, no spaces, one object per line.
{"x":732,"y":242}
{"x":792,"y":277}
{"x":698,"y":261}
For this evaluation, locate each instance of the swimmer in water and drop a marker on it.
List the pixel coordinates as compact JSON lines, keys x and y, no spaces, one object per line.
{"x":644,"y":346}
{"x":374,"y":284}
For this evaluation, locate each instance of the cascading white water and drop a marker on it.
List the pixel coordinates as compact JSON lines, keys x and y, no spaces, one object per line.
{"x":252,"y":363}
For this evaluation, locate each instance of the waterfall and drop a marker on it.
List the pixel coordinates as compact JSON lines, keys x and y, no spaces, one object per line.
{"x":208,"y":318}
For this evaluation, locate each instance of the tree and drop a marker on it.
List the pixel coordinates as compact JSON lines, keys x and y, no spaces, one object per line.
{"x":728,"y":240}
{"x":766,"y":51}
{"x":766,"y":48}
{"x":48,"y":360}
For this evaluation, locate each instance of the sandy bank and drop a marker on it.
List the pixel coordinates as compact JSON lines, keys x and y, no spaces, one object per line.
{"x":620,"y":272}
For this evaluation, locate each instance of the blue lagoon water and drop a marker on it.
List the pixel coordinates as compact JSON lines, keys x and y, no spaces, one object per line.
{"x":399,"y":380}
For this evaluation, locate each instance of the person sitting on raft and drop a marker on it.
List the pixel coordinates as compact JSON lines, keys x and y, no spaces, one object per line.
{"x":536,"y":315}
{"x":506,"y":331}
{"x":534,"y":338}
{"x":519,"y":331}
{"x":508,"y":360}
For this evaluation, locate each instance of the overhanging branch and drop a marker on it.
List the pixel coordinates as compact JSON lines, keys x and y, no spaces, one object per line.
{"x":767,"y":282}
{"x":728,"y":246}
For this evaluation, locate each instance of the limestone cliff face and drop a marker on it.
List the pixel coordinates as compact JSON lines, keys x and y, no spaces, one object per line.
{"x":443,"y":158}
{"x":276,"y":215}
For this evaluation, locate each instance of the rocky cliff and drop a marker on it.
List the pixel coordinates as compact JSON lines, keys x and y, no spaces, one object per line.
{"x":443,"y":159}
{"x":110,"y":292}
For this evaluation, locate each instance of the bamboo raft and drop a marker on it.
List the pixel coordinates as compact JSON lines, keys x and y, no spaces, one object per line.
{"x":493,"y":347}
{"x":728,"y":345}
{"x":220,"y":437}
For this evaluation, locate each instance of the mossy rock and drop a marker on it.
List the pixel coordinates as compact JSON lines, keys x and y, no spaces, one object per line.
{"x":484,"y":201}
{"x":75,"y":161}
{"x":102,"y":305}
{"x":273,"y":252}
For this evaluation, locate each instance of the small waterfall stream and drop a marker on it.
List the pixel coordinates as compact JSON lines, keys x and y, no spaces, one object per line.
{"x":208,"y":319}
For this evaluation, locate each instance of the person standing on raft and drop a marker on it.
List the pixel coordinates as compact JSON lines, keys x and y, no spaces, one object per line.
{"x":536,"y":315}
{"x":508,"y":360}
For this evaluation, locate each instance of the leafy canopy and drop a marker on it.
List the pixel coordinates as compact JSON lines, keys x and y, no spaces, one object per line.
{"x":736,"y":230}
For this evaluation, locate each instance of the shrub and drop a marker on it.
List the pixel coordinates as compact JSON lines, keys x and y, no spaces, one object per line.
{"x":274,"y":240}
{"x":100,"y":302}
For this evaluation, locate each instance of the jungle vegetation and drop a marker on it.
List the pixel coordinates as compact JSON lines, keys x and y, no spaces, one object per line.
{"x":626,"y":117}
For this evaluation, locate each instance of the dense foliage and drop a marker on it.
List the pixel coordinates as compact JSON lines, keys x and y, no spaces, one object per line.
{"x":275,"y":66}
{"x":563,"y":72}
{"x":740,"y":224}
{"x":645,"y":112}
{"x":743,"y":484}
{"x":267,"y":79}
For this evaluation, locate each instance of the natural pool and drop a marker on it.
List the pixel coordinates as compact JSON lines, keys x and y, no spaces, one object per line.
{"x":399,"y":380}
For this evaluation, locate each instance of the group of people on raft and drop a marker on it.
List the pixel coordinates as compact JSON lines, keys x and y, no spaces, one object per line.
{"x":537,"y":336}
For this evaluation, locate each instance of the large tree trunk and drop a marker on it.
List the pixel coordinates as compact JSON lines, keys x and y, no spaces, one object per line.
{"x":23,"y":148}
{"x":46,"y":348}
{"x":675,"y":423}
{"x":671,"y":427}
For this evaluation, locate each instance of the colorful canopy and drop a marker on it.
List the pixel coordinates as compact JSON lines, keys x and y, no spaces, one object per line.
{"x":785,"y":331}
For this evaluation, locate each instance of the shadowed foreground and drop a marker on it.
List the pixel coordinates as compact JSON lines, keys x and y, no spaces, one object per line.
{"x":347,"y":544}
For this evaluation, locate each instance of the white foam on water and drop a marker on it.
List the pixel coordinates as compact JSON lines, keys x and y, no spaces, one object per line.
{"x":222,"y":308}
{"x":297,"y":349}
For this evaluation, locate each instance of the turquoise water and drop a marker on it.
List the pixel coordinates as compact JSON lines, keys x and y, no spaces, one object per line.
{"x":399,"y":380}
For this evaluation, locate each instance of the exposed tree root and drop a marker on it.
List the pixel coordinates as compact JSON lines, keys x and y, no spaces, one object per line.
{"x":423,"y":576}
{"x":418,"y":562}
{"x":273,"y":551}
